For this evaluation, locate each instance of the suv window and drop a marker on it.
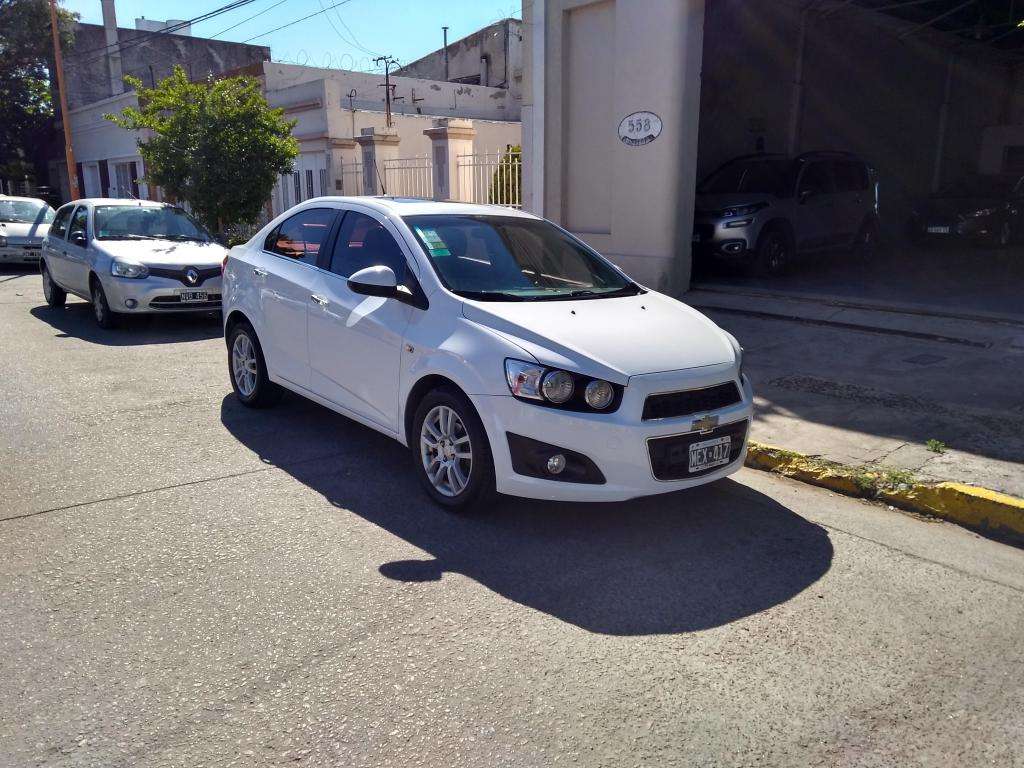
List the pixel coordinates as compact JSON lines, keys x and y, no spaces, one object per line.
{"x":79,"y":222}
{"x":59,"y":228}
{"x":815,"y":179}
{"x":301,"y":236}
{"x":851,"y":176}
{"x":363,"y":242}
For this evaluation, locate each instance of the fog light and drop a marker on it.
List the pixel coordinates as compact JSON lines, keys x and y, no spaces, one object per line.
{"x":556,"y":464}
{"x":131,"y":303}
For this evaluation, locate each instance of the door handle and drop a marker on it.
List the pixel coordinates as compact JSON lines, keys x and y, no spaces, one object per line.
{"x":319,"y":299}
{"x":259,"y":272}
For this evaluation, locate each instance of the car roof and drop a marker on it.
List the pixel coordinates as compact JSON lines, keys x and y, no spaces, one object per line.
{"x":120,"y":201}
{"x":414,"y":206}
{"x":24,"y":199}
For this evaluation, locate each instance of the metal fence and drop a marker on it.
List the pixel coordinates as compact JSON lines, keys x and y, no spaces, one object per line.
{"x":492,"y":177}
{"x":409,"y":177}
{"x":351,"y":175}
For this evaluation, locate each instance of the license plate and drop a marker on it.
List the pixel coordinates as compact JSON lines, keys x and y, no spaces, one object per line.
{"x":709,"y":453}
{"x":938,"y":230}
{"x":192,"y":296}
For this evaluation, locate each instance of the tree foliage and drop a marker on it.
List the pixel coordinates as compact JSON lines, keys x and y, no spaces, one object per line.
{"x":26,"y":58}
{"x":216,"y":144}
{"x":507,"y":181}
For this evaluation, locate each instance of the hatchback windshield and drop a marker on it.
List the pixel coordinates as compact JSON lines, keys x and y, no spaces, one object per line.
{"x":767,"y":176}
{"x":25,"y":212}
{"x":506,"y":258}
{"x":138,"y":222}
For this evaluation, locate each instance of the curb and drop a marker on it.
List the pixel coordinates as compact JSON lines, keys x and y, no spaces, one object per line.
{"x":979,"y":509}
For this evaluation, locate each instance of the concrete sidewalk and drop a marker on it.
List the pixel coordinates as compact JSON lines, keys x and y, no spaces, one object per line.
{"x":872,"y":386}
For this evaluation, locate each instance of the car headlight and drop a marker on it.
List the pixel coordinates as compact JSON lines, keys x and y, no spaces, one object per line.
{"x":558,"y":388}
{"x":123,"y":269}
{"x":738,"y":350}
{"x":744,"y":210}
{"x":982,"y":213}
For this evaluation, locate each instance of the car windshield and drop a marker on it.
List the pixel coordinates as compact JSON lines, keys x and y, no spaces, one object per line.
{"x":25,"y":212}
{"x":766,"y":176}
{"x":510,"y":258}
{"x":146,"y":222}
{"x":979,"y":186}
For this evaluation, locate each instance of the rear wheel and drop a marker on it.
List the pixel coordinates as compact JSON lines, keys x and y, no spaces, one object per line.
{"x":868,"y":239}
{"x":774,"y":251}
{"x":451,"y":452}
{"x":105,"y":318}
{"x":248,"y":369}
{"x":55,"y":295}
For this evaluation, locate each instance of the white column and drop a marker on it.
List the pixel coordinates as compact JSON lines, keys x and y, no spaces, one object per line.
{"x":450,"y":138}
{"x":378,"y":146}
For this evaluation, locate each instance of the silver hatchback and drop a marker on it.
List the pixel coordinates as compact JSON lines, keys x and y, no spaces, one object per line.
{"x":763,"y":209}
{"x":131,"y":257}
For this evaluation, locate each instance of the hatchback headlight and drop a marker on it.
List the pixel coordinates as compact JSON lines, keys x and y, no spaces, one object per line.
{"x":557,"y":388}
{"x":124,"y":269}
{"x":744,"y":210}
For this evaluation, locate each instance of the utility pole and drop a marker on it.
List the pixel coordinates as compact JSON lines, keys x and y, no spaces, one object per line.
{"x":388,"y":87}
{"x":445,"y":33}
{"x":58,"y":62}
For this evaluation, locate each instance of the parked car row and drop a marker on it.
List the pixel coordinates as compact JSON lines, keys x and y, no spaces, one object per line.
{"x":507,"y":354}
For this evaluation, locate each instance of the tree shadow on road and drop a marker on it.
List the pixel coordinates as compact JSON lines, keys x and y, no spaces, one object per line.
{"x":681,"y":562}
{"x":76,"y":321}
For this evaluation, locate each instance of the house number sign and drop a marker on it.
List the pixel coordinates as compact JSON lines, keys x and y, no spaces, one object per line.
{"x":639,"y":128}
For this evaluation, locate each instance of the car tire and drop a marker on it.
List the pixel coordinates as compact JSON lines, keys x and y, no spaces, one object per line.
{"x":868,"y":240}
{"x":55,"y":295}
{"x":452,"y":458}
{"x":105,"y":317}
{"x":247,"y":369}
{"x":773,"y":253}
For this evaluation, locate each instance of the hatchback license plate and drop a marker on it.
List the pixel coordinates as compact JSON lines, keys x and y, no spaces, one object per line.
{"x":938,"y":230}
{"x":188,"y":297}
{"x":709,"y":454}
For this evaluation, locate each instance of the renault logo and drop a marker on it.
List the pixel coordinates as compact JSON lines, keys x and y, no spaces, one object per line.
{"x":192,"y":276}
{"x":705,"y":424}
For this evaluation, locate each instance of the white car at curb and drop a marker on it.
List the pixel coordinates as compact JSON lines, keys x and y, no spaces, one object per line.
{"x":508,"y":355}
{"x":23,"y":224}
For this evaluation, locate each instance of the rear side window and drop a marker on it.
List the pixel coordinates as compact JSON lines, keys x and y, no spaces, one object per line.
{"x":851,"y":176}
{"x":816,"y":179}
{"x":59,"y":228}
{"x":363,"y":242}
{"x":301,"y":236}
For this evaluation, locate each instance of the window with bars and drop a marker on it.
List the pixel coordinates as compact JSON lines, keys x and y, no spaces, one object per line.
{"x":309,"y":184}
{"x":297,"y":180}
{"x":323,"y":181}
{"x":284,"y":192}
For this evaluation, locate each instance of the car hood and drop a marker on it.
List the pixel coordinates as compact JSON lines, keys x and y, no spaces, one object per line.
{"x":34,"y":229}
{"x":729,"y":200}
{"x":163,"y":252}
{"x":956,"y":206}
{"x":611,"y":338}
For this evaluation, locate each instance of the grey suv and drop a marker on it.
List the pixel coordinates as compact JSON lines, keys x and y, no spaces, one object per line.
{"x":763,"y":209}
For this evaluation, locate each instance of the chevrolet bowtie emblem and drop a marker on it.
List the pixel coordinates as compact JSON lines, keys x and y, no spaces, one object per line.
{"x":705,"y":424}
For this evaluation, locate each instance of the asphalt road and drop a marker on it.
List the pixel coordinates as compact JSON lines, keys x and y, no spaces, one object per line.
{"x":187,"y":583}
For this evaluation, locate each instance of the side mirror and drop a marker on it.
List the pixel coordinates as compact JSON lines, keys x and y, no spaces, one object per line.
{"x":374,"y":281}
{"x":79,"y":239}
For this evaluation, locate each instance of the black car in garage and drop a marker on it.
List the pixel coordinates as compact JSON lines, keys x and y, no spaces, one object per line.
{"x":982,"y":208}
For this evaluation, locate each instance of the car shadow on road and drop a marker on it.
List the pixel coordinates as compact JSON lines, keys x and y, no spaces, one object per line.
{"x":76,"y":321}
{"x":681,"y":562}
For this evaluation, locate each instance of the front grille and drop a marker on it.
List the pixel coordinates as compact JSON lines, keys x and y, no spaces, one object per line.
{"x":175,"y":302}
{"x":178,"y":273}
{"x":672,"y":404}
{"x":670,"y":456}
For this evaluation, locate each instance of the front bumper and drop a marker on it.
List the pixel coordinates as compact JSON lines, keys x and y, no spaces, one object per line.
{"x":616,"y":443}
{"x":159,"y":295}
{"x":16,"y":253}
{"x":713,"y":238}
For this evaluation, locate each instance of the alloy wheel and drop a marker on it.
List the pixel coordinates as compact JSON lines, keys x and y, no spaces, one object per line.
{"x":47,"y":285}
{"x":446,"y":450}
{"x":776,"y":253}
{"x":243,"y":364}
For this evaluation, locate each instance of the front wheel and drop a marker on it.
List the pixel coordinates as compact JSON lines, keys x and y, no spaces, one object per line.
{"x":773,"y":253}
{"x":55,"y":295}
{"x":248,"y":369}
{"x":868,"y":239}
{"x":451,"y":453}
{"x":105,"y":318}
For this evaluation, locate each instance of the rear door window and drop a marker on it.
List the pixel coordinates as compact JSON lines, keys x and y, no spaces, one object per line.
{"x":301,"y":236}
{"x":816,"y":179}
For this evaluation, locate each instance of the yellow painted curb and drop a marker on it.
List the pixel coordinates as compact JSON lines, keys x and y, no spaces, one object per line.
{"x":967,"y":505}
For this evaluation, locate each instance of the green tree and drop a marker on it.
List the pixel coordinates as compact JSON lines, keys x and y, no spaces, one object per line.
{"x":26,"y":58}
{"x":216,"y":144}
{"x":507,"y":181}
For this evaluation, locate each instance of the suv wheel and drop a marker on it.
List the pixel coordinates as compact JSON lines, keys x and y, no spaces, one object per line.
{"x":868,"y":239}
{"x":773,"y":252}
{"x":248,"y":369}
{"x":54,"y":294}
{"x":451,"y":453}
{"x":105,"y":318}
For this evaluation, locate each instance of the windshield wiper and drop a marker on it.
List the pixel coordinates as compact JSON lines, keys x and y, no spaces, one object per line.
{"x":124,"y":237}
{"x":184,"y":238}
{"x":491,"y":296}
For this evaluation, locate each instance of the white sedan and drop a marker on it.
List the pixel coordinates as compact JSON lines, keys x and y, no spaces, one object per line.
{"x":507,"y":354}
{"x":23,"y":223}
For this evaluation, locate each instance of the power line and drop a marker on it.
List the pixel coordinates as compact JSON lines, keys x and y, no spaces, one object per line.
{"x":354,"y":42}
{"x":245,"y":21}
{"x":292,"y":23}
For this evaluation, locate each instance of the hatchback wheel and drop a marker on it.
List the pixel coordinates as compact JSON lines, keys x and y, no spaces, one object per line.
{"x":100,"y":308}
{"x":55,"y":295}
{"x":248,"y":369}
{"x":451,"y":451}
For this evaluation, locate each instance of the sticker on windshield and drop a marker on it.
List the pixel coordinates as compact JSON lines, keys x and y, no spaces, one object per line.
{"x":434,"y":243}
